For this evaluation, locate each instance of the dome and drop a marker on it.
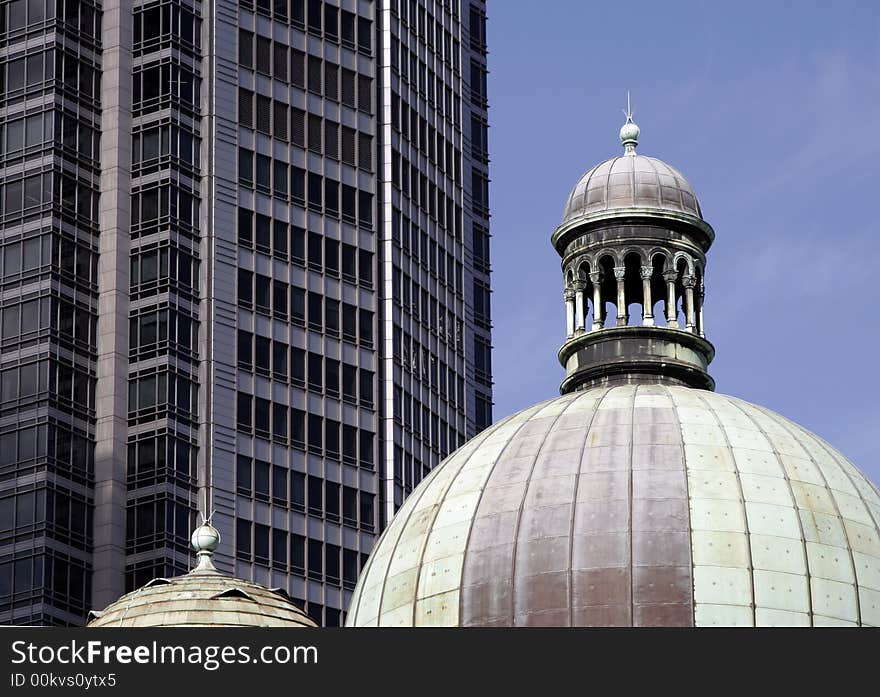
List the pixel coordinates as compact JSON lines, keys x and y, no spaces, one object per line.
{"x":204,"y":597}
{"x":631,"y":181}
{"x":644,"y":504}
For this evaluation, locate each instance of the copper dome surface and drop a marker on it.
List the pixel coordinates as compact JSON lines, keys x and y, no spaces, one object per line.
{"x":202,"y":598}
{"x":632,"y":505}
{"x":631,"y":181}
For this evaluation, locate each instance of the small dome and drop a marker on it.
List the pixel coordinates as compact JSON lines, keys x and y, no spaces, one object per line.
{"x":204,"y":597}
{"x":634,"y":505}
{"x":631,"y":181}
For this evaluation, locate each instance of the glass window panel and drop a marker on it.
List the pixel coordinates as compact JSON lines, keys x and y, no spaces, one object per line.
{"x":15,"y":75}
{"x":15,"y":135}
{"x":16,"y":17}
{"x":34,"y":130}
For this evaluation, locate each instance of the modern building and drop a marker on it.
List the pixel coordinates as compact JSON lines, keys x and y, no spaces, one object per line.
{"x":639,"y":496}
{"x":245,"y":271}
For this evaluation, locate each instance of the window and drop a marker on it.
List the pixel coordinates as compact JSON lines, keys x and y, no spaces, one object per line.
{"x":279,"y":61}
{"x":297,"y":366}
{"x":366,"y":452}
{"x":365,"y":35}
{"x":264,"y":114}
{"x":264,"y":55}
{"x":316,"y":311}
{"x":331,"y":256}
{"x":264,"y":172}
{"x":245,"y":287}
{"x":261,"y":416}
{"x":366,"y":327}
{"x":332,"y":564}
{"x":243,"y":411}
{"x":261,"y":480}
{"x":243,"y":477}
{"x":243,"y":537}
{"x":279,"y":548}
{"x":297,"y":553}
{"x":482,"y":310}
{"x":365,"y":209}
{"x":331,"y":500}
{"x":261,"y":543}
{"x":331,"y":317}
{"x":316,"y":558}
{"x":349,"y":383}
{"x":366,"y":388}
{"x":316,"y":495}
{"x":279,"y":360}
{"x":246,"y":48}
{"x":367,"y":509}
{"x":298,"y":305}
{"x":245,"y":227}
{"x":349,"y":505}
{"x":316,"y":433}
{"x":349,"y":256}
{"x":316,"y":371}
{"x":261,"y":355}
{"x":365,"y":267}
{"x":279,"y":485}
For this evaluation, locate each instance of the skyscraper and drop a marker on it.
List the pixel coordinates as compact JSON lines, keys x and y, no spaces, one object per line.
{"x":244,"y":270}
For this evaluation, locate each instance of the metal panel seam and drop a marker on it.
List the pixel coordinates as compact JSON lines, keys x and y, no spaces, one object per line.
{"x":742,"y":499}
{"x":849,"y":550}
{"x":519,"y":520}
{"x":477,"y":442}
{"x":688,"y":497}
{"x":577,"y":477}
{"x":534,"y":409}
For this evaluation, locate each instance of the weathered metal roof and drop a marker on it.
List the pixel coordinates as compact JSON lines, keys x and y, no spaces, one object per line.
{"x":634,"y":505}
{"x":202,"y":598}
{"x":631,"y":181}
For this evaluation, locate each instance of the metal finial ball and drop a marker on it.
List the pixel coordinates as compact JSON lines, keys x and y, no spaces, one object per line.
{"x":629,"y":133}
{"x":205,"y":538}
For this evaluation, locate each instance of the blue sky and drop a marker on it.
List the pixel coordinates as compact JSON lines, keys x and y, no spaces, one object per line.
{"x":772,"y":111}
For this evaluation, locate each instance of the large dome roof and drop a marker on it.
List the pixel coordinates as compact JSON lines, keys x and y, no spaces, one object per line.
{"x":631,"y":181}
{"x":637,"y":504}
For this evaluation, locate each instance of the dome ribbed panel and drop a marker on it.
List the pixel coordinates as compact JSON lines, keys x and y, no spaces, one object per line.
{"x":644,"y":505}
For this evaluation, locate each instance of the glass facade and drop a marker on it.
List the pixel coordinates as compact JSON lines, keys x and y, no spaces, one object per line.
{"x":291,"y":324}
{"x":50,"y":110}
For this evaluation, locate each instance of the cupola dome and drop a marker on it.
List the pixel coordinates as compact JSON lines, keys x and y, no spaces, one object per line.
{"x":205,"y":597}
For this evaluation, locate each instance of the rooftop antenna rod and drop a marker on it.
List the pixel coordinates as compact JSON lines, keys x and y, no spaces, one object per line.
{"x":628,"y":113}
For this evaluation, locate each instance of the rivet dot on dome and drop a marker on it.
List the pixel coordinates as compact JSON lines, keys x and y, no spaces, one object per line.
{"x":639,"y":496}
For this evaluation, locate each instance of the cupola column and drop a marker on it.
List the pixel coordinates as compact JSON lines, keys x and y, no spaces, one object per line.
{"x":671,"y":315}
{"x":598,"y":307}
{"x":569,"y":312}
{"x":647,"y":303}
{"x":701,"y":294}
{"x":622,"y":313}
{"x":689,"y":309}
{"x":579,"y":306}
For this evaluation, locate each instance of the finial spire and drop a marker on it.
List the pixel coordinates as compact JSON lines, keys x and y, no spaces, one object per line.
{"x":629,"y":132}
{"x":205,"y":540}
